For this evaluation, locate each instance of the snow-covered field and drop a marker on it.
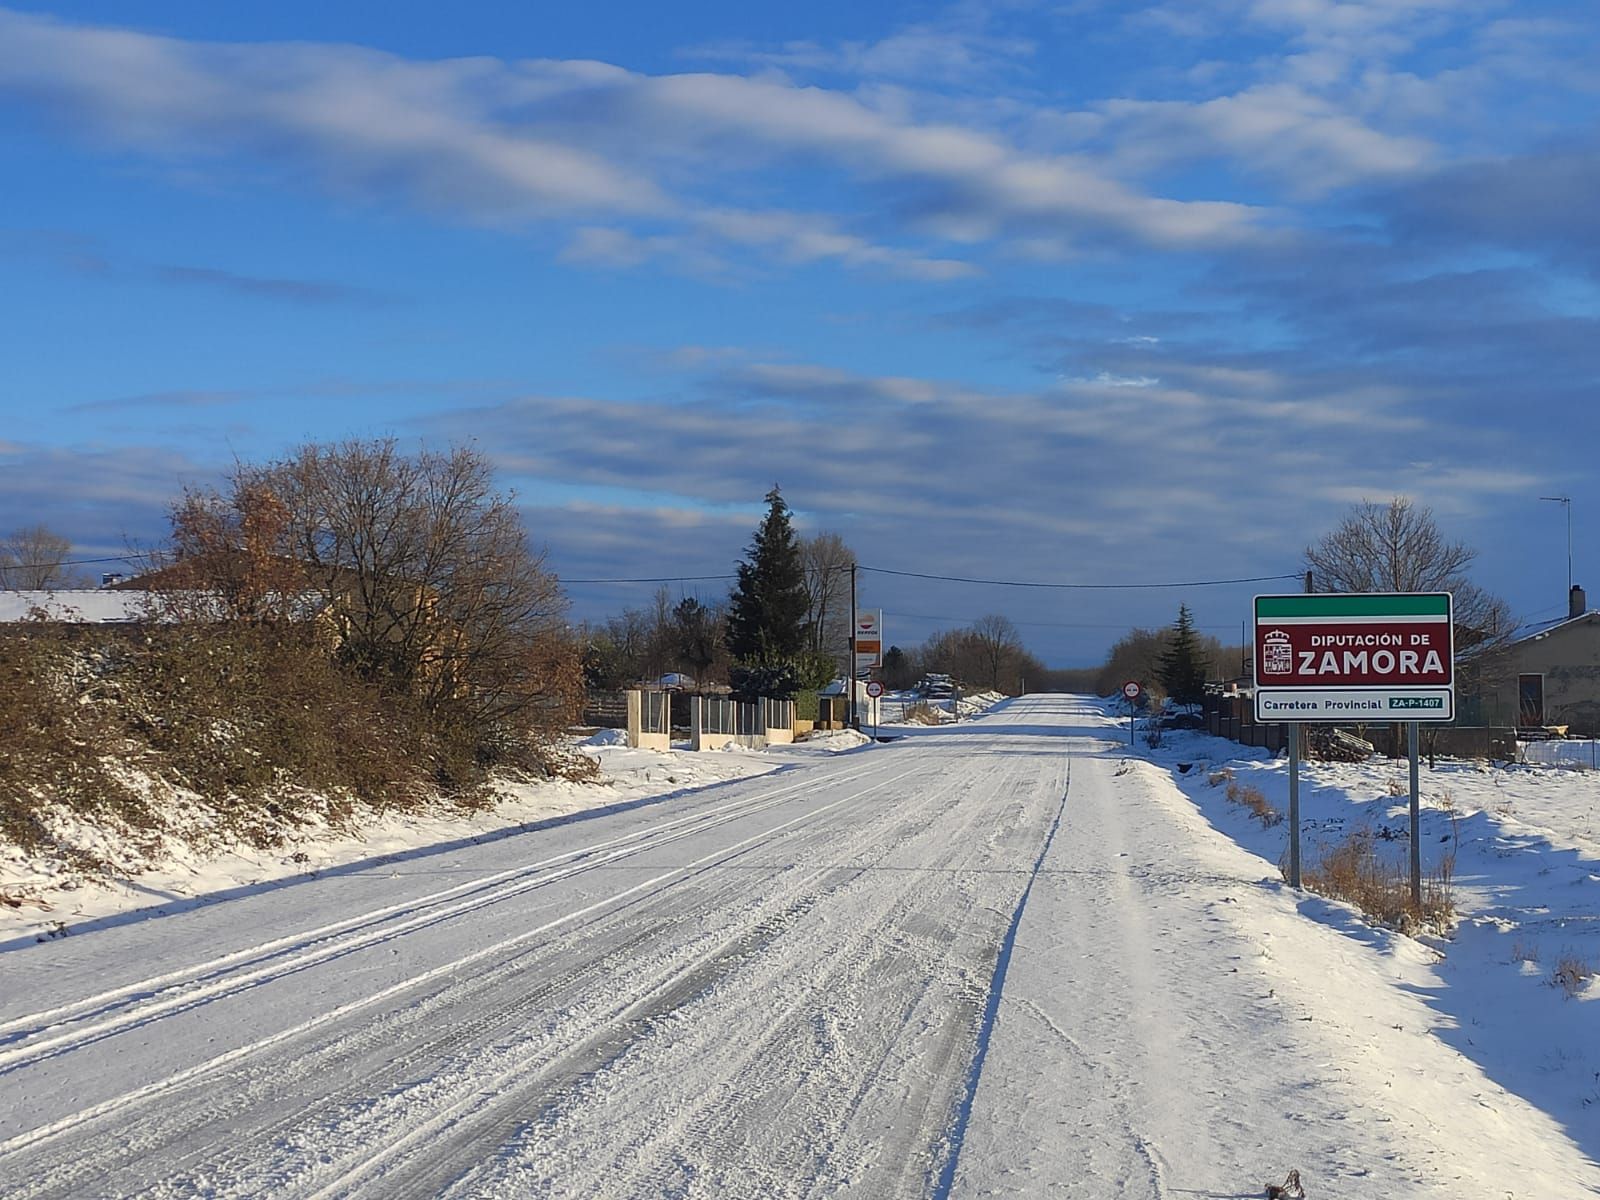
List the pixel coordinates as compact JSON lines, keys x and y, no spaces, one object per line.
{"x":1006,"y":957}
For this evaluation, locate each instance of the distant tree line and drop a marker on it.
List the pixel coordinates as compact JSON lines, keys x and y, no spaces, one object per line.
{"x":356,"y":518}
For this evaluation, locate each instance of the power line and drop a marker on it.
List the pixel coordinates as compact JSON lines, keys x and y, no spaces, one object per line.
{"x":1032,"y":624}
{"x":1020,"y":583}
{"x":655,"y":579}
{"x":73,"y":562}
{"x":1079,"y":586}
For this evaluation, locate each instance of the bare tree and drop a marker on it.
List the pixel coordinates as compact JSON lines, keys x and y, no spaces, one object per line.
{"x":231,"y":558}
{"x":987,"y":654}
{"x":696,"y":637}
{"x":827,"y":562}
{"x":427,"y":578}
{"x":34,"y":559}
{"x":1398,"y":547}
{"x":996,"y":646}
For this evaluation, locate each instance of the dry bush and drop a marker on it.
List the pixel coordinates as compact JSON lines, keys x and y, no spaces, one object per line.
{"x":50,"y":744}
{"x":1252,"y":798}
{"x":1353,"y":870}
{"x":923,"y":713}
{"x":1527,"y":952}
{"x":1572,"y":974}
{"x":1396,"y":788}
{"x":1216,"y":778}
{"x":260,"y":722}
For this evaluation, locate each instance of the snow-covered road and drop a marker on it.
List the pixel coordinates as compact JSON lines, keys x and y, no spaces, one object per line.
{"x":988,"y":959}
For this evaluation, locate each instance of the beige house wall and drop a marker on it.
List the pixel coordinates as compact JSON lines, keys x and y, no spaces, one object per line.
{"x":1568,"y":656}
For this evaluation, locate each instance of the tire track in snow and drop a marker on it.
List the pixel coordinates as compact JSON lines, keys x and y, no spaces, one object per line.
{"x":23,"y":1040}
{"x":56,"y":1128}
{"x":496,"y":1110}
{"x":835,"y":1075}
{"x":963,"y":1116}
{"x":462,"y":1036}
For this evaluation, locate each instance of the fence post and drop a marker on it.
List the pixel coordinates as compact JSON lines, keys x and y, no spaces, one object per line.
{"x":635,"y":717}
{"x":697,"y":721}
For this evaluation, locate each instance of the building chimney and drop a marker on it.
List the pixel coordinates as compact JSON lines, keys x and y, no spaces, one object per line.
{"x":1577,"y":602}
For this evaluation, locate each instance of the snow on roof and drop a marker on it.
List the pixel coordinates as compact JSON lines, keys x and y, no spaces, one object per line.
{"x":1535,"y":634}
{"x":76,"y":606}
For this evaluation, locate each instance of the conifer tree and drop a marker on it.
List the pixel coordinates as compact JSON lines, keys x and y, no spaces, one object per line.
{"x":767,"y":612}
{"x":1183,"y":667}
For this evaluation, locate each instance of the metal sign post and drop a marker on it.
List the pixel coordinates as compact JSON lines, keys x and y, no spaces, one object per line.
{"x":1131,"y":691}
{"x":874,"y":690}
{"x":1294,"y":805}
{"x":1412,"y":730}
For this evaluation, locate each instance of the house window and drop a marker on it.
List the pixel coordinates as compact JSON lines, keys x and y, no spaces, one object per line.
{"x":1530,"y":700}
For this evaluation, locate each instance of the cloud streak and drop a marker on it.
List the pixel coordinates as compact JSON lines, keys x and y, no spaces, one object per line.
{"x":514,"y":144}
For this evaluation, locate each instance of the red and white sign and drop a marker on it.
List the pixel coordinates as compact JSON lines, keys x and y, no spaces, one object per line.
{"x":874,"y":689}
{"x":1355,"y":657}
{"x":1131,"y":690}
{"x":868,"y":638}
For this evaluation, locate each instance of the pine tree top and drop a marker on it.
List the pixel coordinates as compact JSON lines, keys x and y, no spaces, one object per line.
{"x":766,"y":616}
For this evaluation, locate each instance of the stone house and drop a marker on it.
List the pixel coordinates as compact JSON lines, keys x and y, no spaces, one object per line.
{"x":1551,"y":677}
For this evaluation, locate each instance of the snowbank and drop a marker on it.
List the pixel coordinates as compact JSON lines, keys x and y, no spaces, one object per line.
{"x":1526,"y":841}
{"x":44,"y":897}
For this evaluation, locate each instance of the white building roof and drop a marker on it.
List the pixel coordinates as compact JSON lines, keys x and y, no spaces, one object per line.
{"x":75,"y":606}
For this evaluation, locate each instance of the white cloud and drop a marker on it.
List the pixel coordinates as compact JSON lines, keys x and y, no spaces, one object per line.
{"x":1276,"y":129}
{"x":511,"y":143}
{"x":917,"y":52}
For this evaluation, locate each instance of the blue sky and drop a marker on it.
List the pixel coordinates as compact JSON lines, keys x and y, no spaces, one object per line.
{"x":1081,"y":292}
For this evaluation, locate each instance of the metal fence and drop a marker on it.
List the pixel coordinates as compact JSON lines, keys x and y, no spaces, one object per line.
{"x":777,"y":714}
{"x":717,"y":720}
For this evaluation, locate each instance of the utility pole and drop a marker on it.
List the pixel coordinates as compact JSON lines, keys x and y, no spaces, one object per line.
{"x":850,"y":669}
{"x":1565,"y":502}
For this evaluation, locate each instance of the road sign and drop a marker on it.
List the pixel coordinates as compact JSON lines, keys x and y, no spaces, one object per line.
{"x":874,"y":689}
{"x":868,"y":637}
{"x":1131,"y":690}
{"x":1354,"y":657}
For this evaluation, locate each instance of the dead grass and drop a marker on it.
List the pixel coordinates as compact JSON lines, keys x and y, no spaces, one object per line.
{"x":1572,"y":974}
{"x":923,"y":713}
{"x":1527,"y":952}
{"x":1354,"y":871}
{"x":1252,"y":799}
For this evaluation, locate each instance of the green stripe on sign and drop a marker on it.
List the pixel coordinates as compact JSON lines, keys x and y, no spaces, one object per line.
{"x":1378,"y":604}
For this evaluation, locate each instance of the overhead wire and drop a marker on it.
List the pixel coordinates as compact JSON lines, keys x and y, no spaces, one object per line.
{"x":1080,"y":586}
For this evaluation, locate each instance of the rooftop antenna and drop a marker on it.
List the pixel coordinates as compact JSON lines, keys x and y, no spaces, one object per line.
{"x":1565,"y":502}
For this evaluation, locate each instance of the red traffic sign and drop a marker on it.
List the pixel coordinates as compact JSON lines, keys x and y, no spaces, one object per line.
{"x":874,"y":689}
{"x":1132,"y":690}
